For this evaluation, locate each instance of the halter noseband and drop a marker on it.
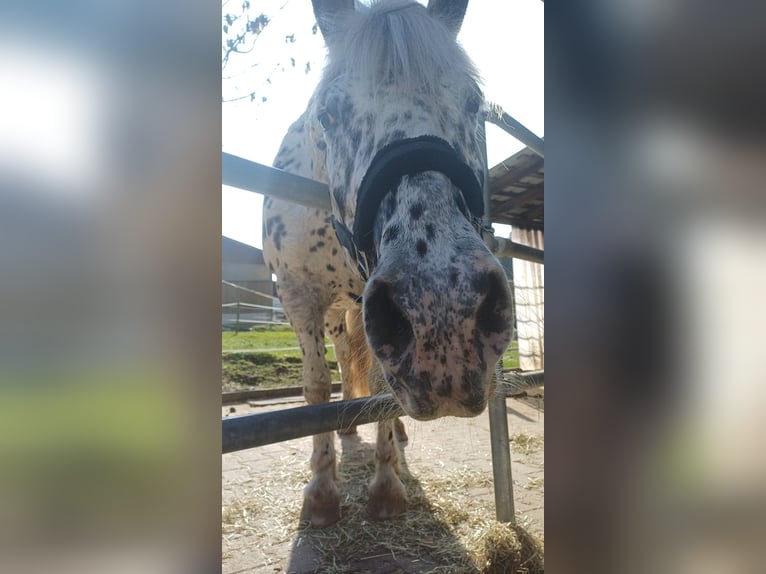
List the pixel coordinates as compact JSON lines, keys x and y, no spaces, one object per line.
{"x":400,"y":158}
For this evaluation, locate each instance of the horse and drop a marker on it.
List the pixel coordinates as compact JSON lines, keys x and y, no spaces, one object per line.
{"x":397,"y":274}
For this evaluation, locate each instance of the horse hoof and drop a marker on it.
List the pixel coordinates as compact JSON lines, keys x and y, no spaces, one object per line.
{"x":321,"y":506}
{"x":401,"y":432}
{"x":387,"y":499}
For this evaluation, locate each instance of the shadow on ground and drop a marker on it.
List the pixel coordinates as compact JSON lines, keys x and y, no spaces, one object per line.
{"x":424,"y":539}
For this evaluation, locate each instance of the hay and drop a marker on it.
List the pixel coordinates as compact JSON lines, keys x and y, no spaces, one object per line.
{"x":510,"y":550}
{"x":534,"y":483}
{"x":526,"y":444}
{"x":448,"y":528}
{"x":240,"y":517}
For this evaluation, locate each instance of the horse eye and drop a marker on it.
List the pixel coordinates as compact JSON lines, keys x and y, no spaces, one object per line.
{"x":326,"y":119}
{"x":473,"y":105}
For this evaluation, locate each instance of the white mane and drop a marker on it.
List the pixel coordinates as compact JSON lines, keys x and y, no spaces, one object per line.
{"x":397,"y":40}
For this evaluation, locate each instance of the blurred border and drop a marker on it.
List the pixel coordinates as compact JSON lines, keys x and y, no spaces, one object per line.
{"x":655,"y":256}
{"x":110,"y":226}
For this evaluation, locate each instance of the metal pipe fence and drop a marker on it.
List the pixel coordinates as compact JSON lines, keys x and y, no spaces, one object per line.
{"x":248,"y":431}
{"x":252,"y":176}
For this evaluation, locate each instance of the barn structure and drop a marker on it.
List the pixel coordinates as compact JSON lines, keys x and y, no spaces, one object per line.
{"x":517,"y":187}
{"x":247,"y":291}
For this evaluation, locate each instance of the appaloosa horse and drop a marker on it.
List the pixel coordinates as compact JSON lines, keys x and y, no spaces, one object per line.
{"x":392,"y":128}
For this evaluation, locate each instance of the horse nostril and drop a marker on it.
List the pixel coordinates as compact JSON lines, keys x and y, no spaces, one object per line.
{"x":388,"y":329}
{"x":492,"y":315}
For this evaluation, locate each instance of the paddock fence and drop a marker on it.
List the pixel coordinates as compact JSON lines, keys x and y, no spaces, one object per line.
{"x":248,"y":431}
{"x":240,"y":315}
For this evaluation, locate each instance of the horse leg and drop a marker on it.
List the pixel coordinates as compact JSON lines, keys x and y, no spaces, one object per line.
{"x":400,"y":431}
{"x":321,"y":499}
{"x":352,"y":354}
{"x":388,"y":498}
{"x":335,"y":326}
{"x":360,"y":364}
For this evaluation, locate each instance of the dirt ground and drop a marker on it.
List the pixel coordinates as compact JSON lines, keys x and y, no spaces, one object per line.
{"x":450,"y":523}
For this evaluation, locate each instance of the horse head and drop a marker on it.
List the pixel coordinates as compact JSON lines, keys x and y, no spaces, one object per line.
{"x":395,"y":122}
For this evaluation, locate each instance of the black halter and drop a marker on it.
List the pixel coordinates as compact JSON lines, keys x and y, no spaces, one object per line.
{"x":400,"y":158}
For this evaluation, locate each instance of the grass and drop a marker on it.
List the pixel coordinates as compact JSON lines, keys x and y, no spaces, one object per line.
{"x":259,"y":338}
{"x":263,"y":338}
{"x":264,"y":370}
{"x":511,"y":356}
{"x":282,"y":368}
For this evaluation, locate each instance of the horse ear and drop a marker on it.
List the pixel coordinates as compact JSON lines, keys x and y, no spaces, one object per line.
{"x":451,"y":12}
{"x":329,"y":15}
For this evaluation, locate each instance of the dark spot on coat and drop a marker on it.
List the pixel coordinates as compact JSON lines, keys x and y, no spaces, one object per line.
{"x":430,"y":233}
{"x":416,"y":211}
{"x":421,"y":247}
{"x":330,"y":268}
{"x":391,"y":232}
{"x":424,"y":381}
{"x":270,"y":223}
{"x":279,"y":233}
{"x":321,"y":145}
{"x":321,"y":231}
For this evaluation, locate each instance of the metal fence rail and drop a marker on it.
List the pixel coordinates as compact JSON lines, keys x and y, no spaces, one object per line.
{"x":251,"y":176}
{"x":497,"y":116}
{"x":248,"y":431}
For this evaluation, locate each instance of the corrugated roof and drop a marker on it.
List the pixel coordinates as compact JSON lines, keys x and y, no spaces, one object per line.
{"x":517,"y":186}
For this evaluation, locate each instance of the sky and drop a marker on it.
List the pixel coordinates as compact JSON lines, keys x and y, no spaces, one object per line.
{"x":504,"y":39}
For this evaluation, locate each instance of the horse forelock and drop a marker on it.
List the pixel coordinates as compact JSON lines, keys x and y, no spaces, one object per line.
{"x":397,"y":42}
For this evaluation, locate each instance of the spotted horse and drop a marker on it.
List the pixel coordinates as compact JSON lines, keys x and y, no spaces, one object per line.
{"x":398,"y":268}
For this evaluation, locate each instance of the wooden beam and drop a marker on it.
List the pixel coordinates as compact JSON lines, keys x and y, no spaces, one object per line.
{"x":519,"y":222}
